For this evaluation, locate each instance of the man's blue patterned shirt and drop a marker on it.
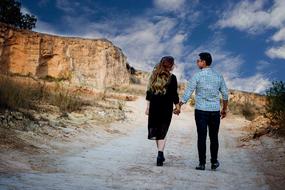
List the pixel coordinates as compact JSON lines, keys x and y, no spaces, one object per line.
{"x":208,"y":84}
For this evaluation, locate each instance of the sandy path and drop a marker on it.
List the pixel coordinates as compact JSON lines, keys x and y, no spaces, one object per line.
{"x":128,"y":161}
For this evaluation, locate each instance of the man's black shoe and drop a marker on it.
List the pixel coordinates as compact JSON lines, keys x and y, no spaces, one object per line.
{"x":215,"y":165}
{"x":200,"y":167}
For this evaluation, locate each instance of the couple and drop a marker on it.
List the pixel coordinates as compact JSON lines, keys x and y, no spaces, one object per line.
{"x":162,"y":94}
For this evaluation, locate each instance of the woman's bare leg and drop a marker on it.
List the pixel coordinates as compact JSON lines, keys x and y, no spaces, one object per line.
{"x":160,"y":144}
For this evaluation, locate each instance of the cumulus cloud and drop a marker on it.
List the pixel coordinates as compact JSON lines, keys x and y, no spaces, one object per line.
{"x":251,"y":16}
{"x":276,"y":52}
{"x":279,"y":36}
{"x":146,"y":42}
{"x":256,"y":83}
{"x":256,"y":17}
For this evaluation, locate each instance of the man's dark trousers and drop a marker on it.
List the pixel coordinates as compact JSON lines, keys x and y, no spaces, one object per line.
{"x":204,"y":120}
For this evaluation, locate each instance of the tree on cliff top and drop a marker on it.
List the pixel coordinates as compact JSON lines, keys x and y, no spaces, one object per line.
{"x":10,"y":13}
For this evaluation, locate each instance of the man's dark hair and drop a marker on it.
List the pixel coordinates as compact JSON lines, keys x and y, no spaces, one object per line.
{"x":206,"y":57}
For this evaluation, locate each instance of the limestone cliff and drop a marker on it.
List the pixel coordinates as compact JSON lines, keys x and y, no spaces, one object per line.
{"x":247,"y":97}
{"x":89,"y":62}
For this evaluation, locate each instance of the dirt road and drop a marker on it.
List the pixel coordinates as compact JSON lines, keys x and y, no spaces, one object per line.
{"x":129,"y":161}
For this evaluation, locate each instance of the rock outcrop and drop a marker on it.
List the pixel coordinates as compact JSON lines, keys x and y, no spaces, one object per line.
{"x":247,"y":97}
{"x":95,"y":63}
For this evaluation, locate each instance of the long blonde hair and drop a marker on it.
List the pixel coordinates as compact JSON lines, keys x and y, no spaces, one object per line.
{"x":161,"y":75}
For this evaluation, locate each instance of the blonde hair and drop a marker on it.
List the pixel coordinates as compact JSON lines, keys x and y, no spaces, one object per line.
{"x":160,"y":76}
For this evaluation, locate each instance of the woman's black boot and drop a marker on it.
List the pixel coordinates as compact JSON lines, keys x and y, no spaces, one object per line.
{"x":160,"y":158}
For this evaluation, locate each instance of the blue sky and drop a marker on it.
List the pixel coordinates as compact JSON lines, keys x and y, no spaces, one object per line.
{"x":246,"y":38}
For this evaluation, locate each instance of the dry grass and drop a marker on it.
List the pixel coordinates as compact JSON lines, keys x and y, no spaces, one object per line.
{"x":133,"y":89}
{"x":15,"y":95}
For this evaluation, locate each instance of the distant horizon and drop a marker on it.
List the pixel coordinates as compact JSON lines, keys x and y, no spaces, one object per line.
{"x":245,"y":38}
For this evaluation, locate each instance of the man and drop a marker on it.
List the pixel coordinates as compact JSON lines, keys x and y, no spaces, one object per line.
{"x":208,"y":84}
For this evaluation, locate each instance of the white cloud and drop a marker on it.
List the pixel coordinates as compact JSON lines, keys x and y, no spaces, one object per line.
{"x":230,"y":66}
{"x":169,"y":5}
{"x":255,"y":17}
{"x":146,"y":42}
{"x":279,"y":36}
{"x":251,"y":16}
{"x":277,"y":14}
{"x":256,"y":83}
{"x":276,"y":52}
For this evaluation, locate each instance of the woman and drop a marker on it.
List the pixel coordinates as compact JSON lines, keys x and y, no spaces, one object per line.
{"x":161,"y":94}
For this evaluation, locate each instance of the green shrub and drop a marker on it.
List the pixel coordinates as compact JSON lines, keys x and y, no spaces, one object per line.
{"x":275,"y":105}
{"x":246,"y":109}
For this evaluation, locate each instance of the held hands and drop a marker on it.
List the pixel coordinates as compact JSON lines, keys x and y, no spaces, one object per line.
{"x":177,"y":109}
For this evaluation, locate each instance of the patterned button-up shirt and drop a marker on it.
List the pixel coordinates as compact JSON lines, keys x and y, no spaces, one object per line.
{"x":207,"y":85}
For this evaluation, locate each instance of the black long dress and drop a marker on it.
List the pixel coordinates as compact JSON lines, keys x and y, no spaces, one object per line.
{"x":161,"y":109}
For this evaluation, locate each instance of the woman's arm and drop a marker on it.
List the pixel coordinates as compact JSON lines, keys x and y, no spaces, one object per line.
{"x":147,"y":108}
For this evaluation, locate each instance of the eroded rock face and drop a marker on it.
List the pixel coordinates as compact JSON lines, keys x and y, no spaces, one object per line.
{"x":247,"y":97}
{"x":86,"y":62}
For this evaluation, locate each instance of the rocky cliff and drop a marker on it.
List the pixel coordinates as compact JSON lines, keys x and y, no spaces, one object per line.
{"x":85,"y":62}
{"x":247,"y":97}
